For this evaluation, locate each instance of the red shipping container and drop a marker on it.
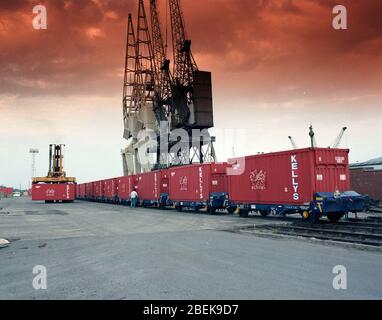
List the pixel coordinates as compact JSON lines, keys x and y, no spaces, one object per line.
{"x":367,"y":182}
{"x":6,"y":192}
{"x":151,"y":185}
{"x":53,"y":192}
{"x":89,"y":190}
{"x":81,"y":191}
{"x":288,"y":177}
{"x":125,"y":186}
{"x":110,"y":191}
{"x":9,"y":191}
{"x":196,"y":182}
{"x":98,"y":189}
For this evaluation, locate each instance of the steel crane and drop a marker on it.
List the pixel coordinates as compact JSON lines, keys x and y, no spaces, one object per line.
{"x":163,"y":95}
{"x":152,"y":95}
{"x":184,"y":67}
{"x":313,"y":142}
{"x":338,"y":140}
{"x":138,"y":93}
{"x":129,"y":83}
{"x":192,"y":90}
{"x":294,"y":145}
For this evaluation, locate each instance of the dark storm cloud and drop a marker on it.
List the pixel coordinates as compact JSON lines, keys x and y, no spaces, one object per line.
{"x":274,"y":46}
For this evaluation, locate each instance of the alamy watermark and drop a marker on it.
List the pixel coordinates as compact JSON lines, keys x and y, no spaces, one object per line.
{"x":40,"y":20}
{"x":340,"y":21}
{"x":340,"y":280}
{"x":176,"y":144}
{"x":40,"y":279}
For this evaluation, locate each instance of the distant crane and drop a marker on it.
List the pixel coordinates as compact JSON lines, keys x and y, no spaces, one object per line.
{"x":338,"y":140}
{"x":33,"y":152}
{"x":313,"y":142}
{"x":294,"y":145}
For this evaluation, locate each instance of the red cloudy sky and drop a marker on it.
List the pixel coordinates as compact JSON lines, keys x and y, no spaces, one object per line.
{"x":278,"y":65}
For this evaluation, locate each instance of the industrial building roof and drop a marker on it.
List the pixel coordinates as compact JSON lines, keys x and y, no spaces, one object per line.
{"x":375,"y":164}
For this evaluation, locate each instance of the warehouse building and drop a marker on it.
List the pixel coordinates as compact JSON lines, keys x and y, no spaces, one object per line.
{"x":366,"y":178}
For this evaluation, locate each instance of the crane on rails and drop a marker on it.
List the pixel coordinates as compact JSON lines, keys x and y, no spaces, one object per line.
{"x":154,"y":99}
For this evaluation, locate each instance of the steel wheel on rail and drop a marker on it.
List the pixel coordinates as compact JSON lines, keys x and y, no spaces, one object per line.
{"x":211,"y":210}
{"x":311,"y":217}
{"x":264,"y":213}
{"x":335,"y":217}
{"x":243,"y":213}
{"x":231,"y":210}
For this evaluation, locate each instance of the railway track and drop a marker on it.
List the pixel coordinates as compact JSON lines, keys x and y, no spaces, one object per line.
{"x":360,"y":232}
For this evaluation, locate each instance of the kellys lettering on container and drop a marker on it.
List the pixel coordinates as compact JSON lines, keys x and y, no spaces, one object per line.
{"x":295,"y":184}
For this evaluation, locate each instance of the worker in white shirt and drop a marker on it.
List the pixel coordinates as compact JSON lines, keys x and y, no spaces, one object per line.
{"x":134,"y":198}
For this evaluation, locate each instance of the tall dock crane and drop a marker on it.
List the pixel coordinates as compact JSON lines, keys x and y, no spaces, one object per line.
{"x":192,"y":91}
{"x":163,"y":106}
{"x":152,"y":95}
{"x":138,"y":92}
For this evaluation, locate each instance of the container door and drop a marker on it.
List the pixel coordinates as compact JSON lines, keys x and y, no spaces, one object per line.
{"x":164,"y":185}
{"x":219,"y":183}
{"x":332,"y":170}
{"x":331,"y":178}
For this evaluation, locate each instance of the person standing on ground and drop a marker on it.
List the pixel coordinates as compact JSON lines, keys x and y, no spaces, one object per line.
{"x":134,"y":198}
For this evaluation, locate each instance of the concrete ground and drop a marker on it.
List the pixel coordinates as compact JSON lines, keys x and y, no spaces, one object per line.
{"x":101,"y":251}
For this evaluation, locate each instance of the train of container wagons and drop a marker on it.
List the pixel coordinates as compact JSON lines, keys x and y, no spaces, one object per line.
{"x":313,"y":182}
{"x":5,"y":192}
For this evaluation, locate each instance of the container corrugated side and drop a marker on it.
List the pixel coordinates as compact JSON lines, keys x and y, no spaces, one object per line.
{"x":289,"y":177}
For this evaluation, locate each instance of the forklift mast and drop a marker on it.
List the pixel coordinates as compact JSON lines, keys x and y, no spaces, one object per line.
{"x":56,"y":173}
{"x":56,"y":160}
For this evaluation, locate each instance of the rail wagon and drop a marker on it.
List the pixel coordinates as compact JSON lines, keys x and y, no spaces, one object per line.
{"x":81,"y":191}
{"x":110,"y":190}
{"x":98,"y":190}
{"x":152,"y":188}
{"x":125,"y":186}
{"x":89,"y":191}
{"x":6,"y":192}
{"x":198,"y":186}
{"x":312,"y":181}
